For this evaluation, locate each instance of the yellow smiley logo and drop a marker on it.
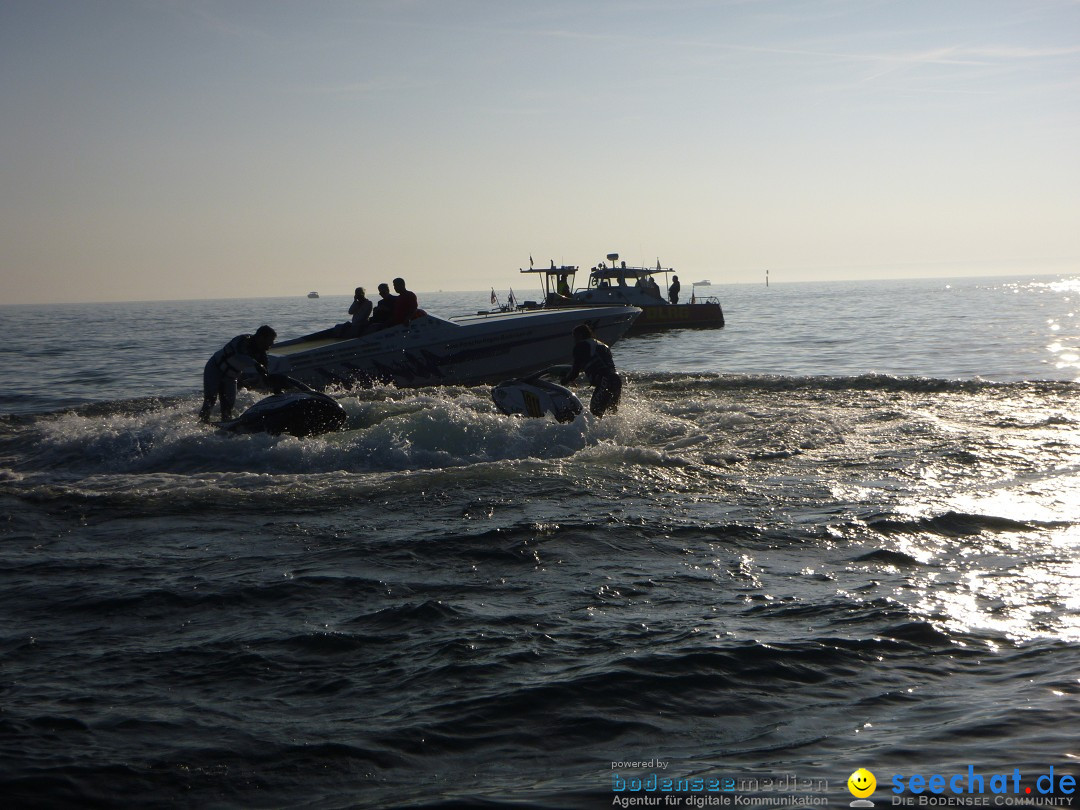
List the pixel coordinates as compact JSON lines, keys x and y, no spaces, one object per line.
{"x":861,"y":783}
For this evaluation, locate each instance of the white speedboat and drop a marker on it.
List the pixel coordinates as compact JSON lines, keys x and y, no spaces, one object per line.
{"x":483,"y":348}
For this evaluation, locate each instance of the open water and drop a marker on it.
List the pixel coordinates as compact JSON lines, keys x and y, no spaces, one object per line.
{"x":842,"y":532}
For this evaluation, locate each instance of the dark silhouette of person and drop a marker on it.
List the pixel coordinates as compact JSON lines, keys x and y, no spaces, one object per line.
{"x":593,"y":357}
{"x":222,"y":373}
{"x":406,"y":306}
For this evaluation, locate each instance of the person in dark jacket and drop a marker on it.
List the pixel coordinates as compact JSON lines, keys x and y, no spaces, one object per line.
{"x":406,"y":305}
{"x":242,"y":354}
{"x":383,"y":314}
{"x":594,"y":358}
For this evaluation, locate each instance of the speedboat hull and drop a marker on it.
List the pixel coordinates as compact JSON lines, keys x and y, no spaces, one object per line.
{"x":656,"y":314}
{"x":482,"y":348}
{"x":679,"y":316}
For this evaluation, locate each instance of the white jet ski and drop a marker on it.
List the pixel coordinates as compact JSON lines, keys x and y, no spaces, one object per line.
{"x":301,"y":412}
{"x":536,"y":397}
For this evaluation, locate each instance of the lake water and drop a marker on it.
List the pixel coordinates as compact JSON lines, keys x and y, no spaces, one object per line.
{"x":841,"y":532}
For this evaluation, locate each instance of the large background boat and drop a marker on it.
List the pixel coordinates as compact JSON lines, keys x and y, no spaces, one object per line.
{"x":613,"y":283}
{"x":471,"y":349}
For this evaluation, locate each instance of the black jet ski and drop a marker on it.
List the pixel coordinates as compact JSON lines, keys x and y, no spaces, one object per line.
{"x":534,"y":396}
{"x":299,"y":412}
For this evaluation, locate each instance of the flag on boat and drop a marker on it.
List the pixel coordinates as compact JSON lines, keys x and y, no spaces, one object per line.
{"x":494,"y":297}
{"x":510,"y":296}
{"x":658,"y":265}
{"x":530,"y":261}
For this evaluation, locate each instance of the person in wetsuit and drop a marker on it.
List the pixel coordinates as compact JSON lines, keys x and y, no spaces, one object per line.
{"x":227,"y":365}
{"x":594,"y":358}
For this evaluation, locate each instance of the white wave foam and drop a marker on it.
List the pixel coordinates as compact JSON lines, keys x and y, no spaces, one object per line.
{"x":412,"y":430}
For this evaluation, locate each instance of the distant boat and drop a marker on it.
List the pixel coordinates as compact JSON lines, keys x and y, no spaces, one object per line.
{"x":619,"y":285}
{"x":705,"y":283}
{"x":312,"y":294}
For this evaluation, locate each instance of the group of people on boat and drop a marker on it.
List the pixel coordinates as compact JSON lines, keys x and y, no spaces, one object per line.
{"x":247,"y":354}
{"x":390,"y":310}
{"x":646,"y":283}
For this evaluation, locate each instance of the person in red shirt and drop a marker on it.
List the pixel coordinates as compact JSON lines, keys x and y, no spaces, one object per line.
{"x":407,"y":305}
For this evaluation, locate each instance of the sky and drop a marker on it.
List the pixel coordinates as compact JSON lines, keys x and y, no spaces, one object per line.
{"x":188,"y":149}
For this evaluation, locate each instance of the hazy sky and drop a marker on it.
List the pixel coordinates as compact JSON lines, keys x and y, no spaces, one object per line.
{"x":187,"y":149}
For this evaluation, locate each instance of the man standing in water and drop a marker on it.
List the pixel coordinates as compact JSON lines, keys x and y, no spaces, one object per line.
{"x":594,"y":358}
{"x":223,"y":370}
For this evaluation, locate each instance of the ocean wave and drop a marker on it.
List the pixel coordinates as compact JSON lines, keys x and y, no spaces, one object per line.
{"x":888,"y":557}
{"x":958,"y":525}
{"x":707,"y":436}
{"x":858,"y":382}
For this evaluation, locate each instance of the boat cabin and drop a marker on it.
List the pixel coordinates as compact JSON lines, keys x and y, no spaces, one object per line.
{"x":558,"y":284}
{"x":605,"y":277}
{"x":636,"y":282}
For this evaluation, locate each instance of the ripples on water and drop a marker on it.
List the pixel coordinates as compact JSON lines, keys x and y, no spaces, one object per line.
{"x":770,"y":570}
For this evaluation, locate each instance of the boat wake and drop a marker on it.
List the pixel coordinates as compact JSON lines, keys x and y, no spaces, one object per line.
{"x":870,"y":440}
{"x":386,"y":429}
